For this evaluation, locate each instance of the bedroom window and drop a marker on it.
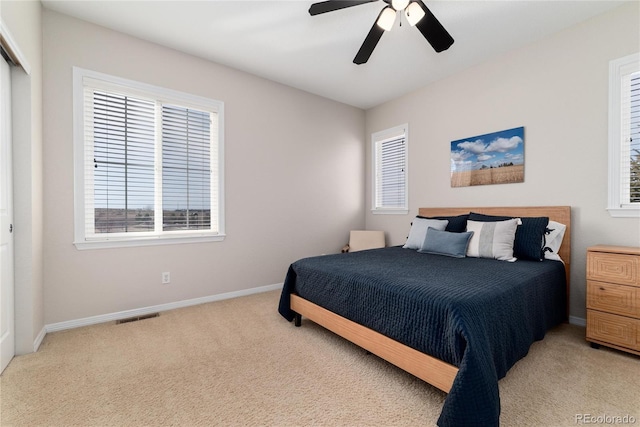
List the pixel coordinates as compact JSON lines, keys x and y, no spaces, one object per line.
{"x":389,"y":154}
{"x":148,"y":164}
{"x":624,"y":137}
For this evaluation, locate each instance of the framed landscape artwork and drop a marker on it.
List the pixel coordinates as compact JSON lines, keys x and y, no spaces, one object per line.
{"x":494,"y":158}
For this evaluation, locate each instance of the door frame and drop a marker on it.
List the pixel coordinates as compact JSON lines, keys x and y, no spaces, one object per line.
{"x":27,"y":333}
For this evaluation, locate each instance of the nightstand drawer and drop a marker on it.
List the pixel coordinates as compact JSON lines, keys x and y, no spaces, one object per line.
{"x":614,"y":268}
{"x":617,"y":330}
{"x":617,"y":299}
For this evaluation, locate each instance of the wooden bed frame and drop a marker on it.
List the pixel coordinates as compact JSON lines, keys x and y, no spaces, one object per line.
{"x":428,"y":368}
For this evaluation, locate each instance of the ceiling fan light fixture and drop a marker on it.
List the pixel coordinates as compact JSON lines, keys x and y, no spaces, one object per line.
{"x":414,"y":13}
{"x":417,"y":14}
{"x":387,"y":19}
{"x":399,"y":4}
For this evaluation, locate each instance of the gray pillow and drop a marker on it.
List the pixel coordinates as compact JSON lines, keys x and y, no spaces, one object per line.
{"x":446,"y":243}
{"x":419,"y":231}
{"x":492,"y":239}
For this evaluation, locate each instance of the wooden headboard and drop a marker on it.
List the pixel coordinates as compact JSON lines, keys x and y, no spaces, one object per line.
{"x":561,"y":214}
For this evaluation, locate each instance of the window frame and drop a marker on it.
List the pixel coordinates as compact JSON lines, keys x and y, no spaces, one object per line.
{"x":83,"y":241}
{"x":618,"y":68}
{"x":380,"y":137}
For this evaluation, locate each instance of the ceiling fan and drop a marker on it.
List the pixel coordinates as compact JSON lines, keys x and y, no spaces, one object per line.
{"x":417,"y":15}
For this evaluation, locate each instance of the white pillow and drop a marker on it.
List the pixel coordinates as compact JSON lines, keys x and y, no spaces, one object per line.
{"x":418,"y":231}
{"x":553,"y":239}
{"x":492,"y":239}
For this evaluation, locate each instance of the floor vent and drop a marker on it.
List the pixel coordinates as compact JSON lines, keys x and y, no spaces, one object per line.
{"x":135,"y":319}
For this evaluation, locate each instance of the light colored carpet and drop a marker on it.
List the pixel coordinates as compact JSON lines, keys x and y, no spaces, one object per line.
{"x":238,"y":363}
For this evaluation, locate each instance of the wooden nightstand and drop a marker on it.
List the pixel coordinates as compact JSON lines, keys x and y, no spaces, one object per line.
{"x":613,"y":297}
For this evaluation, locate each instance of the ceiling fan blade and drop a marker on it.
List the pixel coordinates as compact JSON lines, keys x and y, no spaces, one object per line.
{"x":433,"y":31}
{"x":369,"y":43}
{"x":331,"y":5}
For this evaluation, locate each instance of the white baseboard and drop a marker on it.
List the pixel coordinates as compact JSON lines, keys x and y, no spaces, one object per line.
{"x":70,"y":324}
{"x":578,"y":321}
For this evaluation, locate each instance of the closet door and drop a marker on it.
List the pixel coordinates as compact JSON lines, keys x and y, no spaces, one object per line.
{"x":7,"y":338}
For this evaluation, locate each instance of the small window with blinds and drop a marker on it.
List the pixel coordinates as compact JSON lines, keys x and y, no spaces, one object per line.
{"x":148,"y":164}
{"x":389,"y":155}
{"x":631,"y":139}
{"x":624,"y":137}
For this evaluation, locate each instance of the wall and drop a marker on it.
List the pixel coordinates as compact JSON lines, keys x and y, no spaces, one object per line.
{"x":557,"y":89}
{"x":294,"y":179}
{"x":23,"y":20}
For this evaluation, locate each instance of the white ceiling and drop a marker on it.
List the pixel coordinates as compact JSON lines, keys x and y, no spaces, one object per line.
{"x":280,"y":41}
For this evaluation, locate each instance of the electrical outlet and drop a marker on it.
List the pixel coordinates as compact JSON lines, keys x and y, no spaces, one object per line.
{"x":166,"y":278}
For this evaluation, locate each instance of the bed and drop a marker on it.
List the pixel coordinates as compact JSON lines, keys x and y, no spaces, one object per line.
{"x":456,"y":323}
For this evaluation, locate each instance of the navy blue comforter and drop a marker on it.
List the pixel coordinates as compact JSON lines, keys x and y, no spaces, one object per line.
{"x":480,"y":315}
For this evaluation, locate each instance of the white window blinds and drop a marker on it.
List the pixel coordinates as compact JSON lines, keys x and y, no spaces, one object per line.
{"x":390,"y":170}
{"x":624,"y":137}
{"x":186,"y":168}
{"x":122,"y":131}
{"x":151,"y":164}
{"x":630,"y":144}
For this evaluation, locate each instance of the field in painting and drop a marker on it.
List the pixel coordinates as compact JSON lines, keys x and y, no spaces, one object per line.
{"x":501,"y":175}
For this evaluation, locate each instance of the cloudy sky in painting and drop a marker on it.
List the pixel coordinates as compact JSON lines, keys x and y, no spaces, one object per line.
{"x":492,"y":149}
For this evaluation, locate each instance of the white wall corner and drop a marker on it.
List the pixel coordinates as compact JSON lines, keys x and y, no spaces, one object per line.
{"x":578,"y":321}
